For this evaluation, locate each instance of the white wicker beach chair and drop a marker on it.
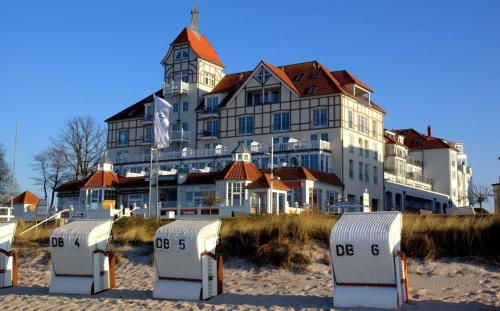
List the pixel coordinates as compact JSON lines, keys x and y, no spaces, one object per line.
{"x":8,"y":257}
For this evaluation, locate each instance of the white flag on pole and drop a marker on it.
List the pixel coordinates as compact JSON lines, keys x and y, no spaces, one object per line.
{"x":162,"y":113}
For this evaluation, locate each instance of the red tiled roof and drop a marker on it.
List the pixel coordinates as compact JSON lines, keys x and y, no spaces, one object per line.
{"x":239,"y":171}
{"x":345,"y":78}
{"x":26,"y":198}
{"x":293,"y":183}
{"x":101,"y":180}
{"x":199,"y":44}
{"x":71,"y":185}
{"x":264,"y":182}
{"x":282,"y":75}
{"x":136,"y":110}
{"x":389,"y":140}
{"x":301,"y":173}
{"x":417,"y":141}
{"x":200,"y":178}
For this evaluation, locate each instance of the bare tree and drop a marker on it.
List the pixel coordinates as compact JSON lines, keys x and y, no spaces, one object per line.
{"x":6,"y":190}
{"x":52,"y":172}
{"x":83,"y":143}
{"x":41,"y":167}
{"x":210,"y":199}
{"x":479,"y":195}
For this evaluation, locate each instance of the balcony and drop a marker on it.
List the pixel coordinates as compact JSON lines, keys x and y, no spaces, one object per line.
{"x":180,"y":136}
{"x":176,"y":87}
{"x":210,"y":135}
{"x":209,"y":114}
{"x":291,"y":146}
{"x":410,"y":179}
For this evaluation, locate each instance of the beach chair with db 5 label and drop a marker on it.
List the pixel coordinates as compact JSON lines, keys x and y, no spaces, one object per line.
{"x":8,"y":257}
{"x":187,"y":265}
{"x":80,"y":262}
{"x":368,"y":267}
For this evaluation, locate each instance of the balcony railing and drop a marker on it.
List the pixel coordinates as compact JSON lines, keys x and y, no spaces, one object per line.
{"x":176,"y":87}
{"x":210,"y":134}
{"x":292,"y":146}
{"x":180,"y":136}
{"x":210,"y":113}
{"x":409,"y":178}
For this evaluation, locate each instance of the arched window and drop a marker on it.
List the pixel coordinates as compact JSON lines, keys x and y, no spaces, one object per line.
{"x":294,"y":162}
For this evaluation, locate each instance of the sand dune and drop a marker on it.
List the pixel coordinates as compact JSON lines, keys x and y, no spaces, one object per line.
{"x":441,"y":285}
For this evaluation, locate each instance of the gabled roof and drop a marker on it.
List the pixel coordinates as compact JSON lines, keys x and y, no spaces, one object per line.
{"x":417,"y":141}
{"x":101,"y":180}
{"x":302,"y":173}
{"x":312,"y":74}
{"x":136,"y":110}
{"x":239,"y":171}
{"x":199,"y":44}
{"x":345,"y":78}
{"x":241,"y":148}
{"x":264,"y":182}
{"x":26,"y":198}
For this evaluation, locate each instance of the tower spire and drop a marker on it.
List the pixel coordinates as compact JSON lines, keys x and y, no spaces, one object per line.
{"x":194,"y":16}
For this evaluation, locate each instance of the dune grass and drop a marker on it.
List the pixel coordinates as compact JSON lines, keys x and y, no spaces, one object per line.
{"x":281,"y":240}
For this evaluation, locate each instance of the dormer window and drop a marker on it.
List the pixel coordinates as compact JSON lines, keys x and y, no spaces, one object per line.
{"x":298,"y":76}
{"x":262,"y":76}
{"x":182,"y":54}
{"x":311,"y":89}
{"x":315,"y":74}
{"x":208,"y":79}
{"x":148,"y":112}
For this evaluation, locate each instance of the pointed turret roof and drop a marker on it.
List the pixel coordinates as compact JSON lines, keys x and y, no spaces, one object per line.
{"x":199,"y":44}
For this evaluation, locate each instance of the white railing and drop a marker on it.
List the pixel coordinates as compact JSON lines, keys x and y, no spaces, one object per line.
{"x":55,"y":216}
{"x":176,"y":87}
{"x":180,"y":135}
{"x":292,"y":146}
{"x":6,"y":213}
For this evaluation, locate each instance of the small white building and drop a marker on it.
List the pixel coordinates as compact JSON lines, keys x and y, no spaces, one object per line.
{"x":25,"y":205}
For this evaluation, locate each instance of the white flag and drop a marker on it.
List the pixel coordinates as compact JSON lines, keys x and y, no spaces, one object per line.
{"x":162,"y":113}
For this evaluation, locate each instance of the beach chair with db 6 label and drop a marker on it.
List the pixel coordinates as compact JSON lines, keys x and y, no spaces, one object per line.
{"x":80,"y":262}
{"x":368,"y":267}
{"x":187,"y":265}
{"x":8,"y":257}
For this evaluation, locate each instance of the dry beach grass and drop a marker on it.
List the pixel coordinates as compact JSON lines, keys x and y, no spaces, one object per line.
{"x":281,"y":240}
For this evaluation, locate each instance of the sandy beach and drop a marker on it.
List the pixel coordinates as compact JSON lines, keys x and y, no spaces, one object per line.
{"x":437,"y":285}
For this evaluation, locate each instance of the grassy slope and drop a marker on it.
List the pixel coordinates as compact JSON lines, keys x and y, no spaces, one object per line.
{"x":280,"y":240}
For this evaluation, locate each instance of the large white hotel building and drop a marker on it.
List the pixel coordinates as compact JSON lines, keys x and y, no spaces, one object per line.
{"x":316,"y":118}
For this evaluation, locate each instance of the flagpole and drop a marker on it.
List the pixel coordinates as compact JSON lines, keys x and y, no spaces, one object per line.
{"x":151,"y":161}
{"x":157,"y":186}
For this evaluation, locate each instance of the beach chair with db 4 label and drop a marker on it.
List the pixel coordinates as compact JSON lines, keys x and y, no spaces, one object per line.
{"x":187,"y":265}
{"x":8,"y":257}
{"x":80,"y":262}
{"x":368,"y":267}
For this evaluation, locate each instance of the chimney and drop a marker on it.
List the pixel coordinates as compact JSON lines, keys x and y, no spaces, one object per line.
{"x":194,"y":17}
{"x":429,"y":131}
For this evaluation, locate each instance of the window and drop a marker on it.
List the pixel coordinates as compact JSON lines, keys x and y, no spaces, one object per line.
{"x":367,"y":176}
{"x":351,"y":169}
{"x":351,"y":118}
{"x":148,"y":112}
{"x":360,"y":167}
{"x":360,"y":144}
{"x":320,"y":117}
{"x":324,"y":136}
{"x":272,"y":96}
{"x":315,"y":74}
{"x":123,"y":137}
{"x":281,"y":122}
{"x":362,"y":124}
{"x":148,"y":134}
{"x":375,"y":151}
{"x":212,"y":128}
{"x":181,"y":55}
{"x":262,"y":76}
{"x":245,"y":125}
{"x":314,"y":137}
{"x":298,"y":76}
{"x":209,"y":79}
{"x":175,"y":107}
{"x":185,"y":106}
{"x":121,"y":156}
{"x":212,"y":104}
{"x":310,"y":161}
{"x":351,"y":144}
{"x":235,"y":194}
{"x":374,"y":128}
{"x":367,"y":149}
{"x":181,"y":76}
{"x":311,"y":89}
{"x":297,"y":195}
{"x":176,"y":127}
{"x":254,"y":98}
{"x":375,"y":175}
{"x":185,"y":126}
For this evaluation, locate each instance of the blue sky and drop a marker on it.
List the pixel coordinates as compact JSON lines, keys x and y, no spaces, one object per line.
{"x":429,"y":62}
